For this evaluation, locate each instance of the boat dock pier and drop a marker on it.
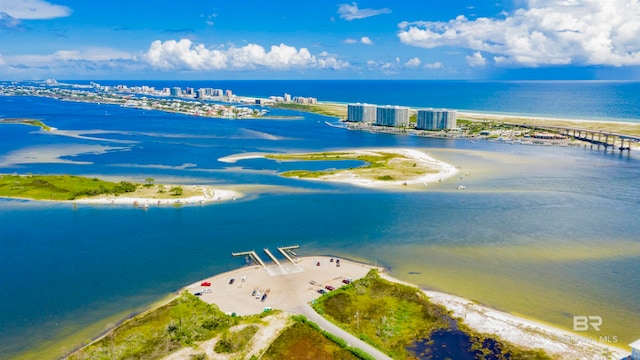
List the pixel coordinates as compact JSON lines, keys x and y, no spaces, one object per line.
{"x":286,"y":251}
{"x":596,"y":137}
{"x":254,"y":256}
{"x":273,"y":258}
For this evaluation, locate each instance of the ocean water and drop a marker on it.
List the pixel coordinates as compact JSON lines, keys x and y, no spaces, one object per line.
{"x":541,"y":231}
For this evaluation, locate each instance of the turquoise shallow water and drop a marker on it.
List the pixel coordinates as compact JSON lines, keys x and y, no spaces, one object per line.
{"x":546,"y":232}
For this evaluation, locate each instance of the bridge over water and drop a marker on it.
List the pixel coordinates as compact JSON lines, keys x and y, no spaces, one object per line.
{"x":601,"y":138}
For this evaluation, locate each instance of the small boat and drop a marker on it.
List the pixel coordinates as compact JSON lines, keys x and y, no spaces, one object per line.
{"x":461,"y":187}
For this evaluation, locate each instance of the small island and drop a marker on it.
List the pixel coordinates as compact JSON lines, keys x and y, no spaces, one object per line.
{"x":32,"y":122}
{"x":96,"y":191}
{"x":382,"y":168}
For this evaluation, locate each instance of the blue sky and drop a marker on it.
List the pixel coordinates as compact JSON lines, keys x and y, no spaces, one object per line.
{"x":320,"y":39}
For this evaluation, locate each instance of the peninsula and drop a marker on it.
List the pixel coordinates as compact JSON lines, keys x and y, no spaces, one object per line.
{"x":344,"y":301}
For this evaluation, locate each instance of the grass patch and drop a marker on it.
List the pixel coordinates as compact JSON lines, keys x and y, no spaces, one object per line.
{"x":302,"y":341}
{"x":59,"y":187}
{"x":235,"y":341}
{"x":392,"y":317}
{"x":182,"y":322}
{"x":335,"y":110}
{"x":378,"y":165}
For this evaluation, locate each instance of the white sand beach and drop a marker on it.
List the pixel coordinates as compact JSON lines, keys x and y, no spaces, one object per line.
{"x":421,"y":159}
{"x":291,"y":286}
{"x":205,"y":195}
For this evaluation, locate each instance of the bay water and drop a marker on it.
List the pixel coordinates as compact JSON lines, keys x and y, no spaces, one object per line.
{"x":544,"y":232}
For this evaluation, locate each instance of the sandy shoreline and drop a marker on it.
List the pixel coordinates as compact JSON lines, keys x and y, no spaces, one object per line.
{"x":291,"y":286}
{"x":208,"y":195}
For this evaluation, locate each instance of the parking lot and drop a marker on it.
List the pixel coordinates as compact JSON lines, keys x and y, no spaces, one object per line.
{"x":287,"y":286}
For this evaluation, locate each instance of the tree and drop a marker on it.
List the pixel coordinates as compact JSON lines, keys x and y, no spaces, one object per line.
{"x":161,"y":189}
{"x":149,"y":181}
{"x":176,"y":191}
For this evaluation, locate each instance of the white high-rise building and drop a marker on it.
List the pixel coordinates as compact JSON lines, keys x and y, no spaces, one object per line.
{"x":361,"y":113}
{"x":392,"y":116}
{"x":436,"y":119}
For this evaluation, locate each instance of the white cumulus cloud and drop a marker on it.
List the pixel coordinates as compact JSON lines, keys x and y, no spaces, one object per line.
{"x":476,"y":60}
{"x":412,"y":63}
{"x":434,"y":66}
{"x":185,"y":55}
{"x":365,"y":40}
{"x":350,"y":41}
{"x":352,"y":12}
{"x":32,"y":9}
{"x":544,"y":32}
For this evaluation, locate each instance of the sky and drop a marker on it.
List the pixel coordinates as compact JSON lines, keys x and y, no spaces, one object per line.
{"x":320,"y":39}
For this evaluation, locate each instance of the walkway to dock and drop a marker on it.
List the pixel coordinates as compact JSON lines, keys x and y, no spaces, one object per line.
{"x":273,"y":258}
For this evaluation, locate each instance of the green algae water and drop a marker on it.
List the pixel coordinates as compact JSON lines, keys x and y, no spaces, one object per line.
{"x":544,"y":232}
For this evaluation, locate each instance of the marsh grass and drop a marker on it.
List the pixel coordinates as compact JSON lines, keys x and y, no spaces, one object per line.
{"x":393,"y":317}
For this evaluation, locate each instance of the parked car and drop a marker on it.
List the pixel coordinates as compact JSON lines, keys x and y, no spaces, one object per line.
{"x":321,"y":291}
{"x":232,"y":281}
{"x":264,"y":297}
{"x":205,"y":283}
{"x":346,"y":281}
{"x":206,"y":290}
{"x":329,"y":287}
{"x":198,"y":294}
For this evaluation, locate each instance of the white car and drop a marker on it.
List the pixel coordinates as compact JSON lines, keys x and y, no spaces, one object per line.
{"x":206,"y":290}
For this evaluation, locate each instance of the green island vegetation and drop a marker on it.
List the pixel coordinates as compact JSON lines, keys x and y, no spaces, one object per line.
{"x":305,"y":340}
{"x":183,"y":322}
{"x":31,"y":122}
{"x":327,"y":109}
{"x":402,"y":322}
{"x":71,"y":187}
{"x":379,"y":165}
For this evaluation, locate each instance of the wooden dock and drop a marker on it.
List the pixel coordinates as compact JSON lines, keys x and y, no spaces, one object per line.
{"x":273,"y":258}
{"x":254,"y":256}
{"x":286,"y":251}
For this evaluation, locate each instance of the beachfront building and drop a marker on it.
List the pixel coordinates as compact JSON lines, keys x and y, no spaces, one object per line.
{"x":176,"y":91}
{"x":361,"y":113}
{"x":436,"y":119}
{"x":392,"y":116}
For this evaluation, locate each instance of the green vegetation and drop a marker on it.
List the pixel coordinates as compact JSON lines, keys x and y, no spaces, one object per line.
{"x":379,"y":165}
{"x":59,"y":187}
{"x":303,"y":340}
{"x":182,"y":322}
{"x":335,"y":110}
{"x":235,"y":341}
{"x":393,"y":317}
{"x":31,"y":122}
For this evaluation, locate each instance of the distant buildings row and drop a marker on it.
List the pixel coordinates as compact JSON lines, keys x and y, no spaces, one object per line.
{"x":398,"y":116}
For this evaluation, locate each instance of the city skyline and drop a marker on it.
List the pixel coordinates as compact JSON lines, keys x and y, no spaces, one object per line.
{"x":502,"y":40}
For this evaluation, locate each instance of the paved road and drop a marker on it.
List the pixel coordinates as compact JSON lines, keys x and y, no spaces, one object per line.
{"x":326,"y":325}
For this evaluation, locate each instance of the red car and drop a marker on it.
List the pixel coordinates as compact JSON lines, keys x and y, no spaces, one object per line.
{"x":329,"y":287}
{"x":205,"y":283}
